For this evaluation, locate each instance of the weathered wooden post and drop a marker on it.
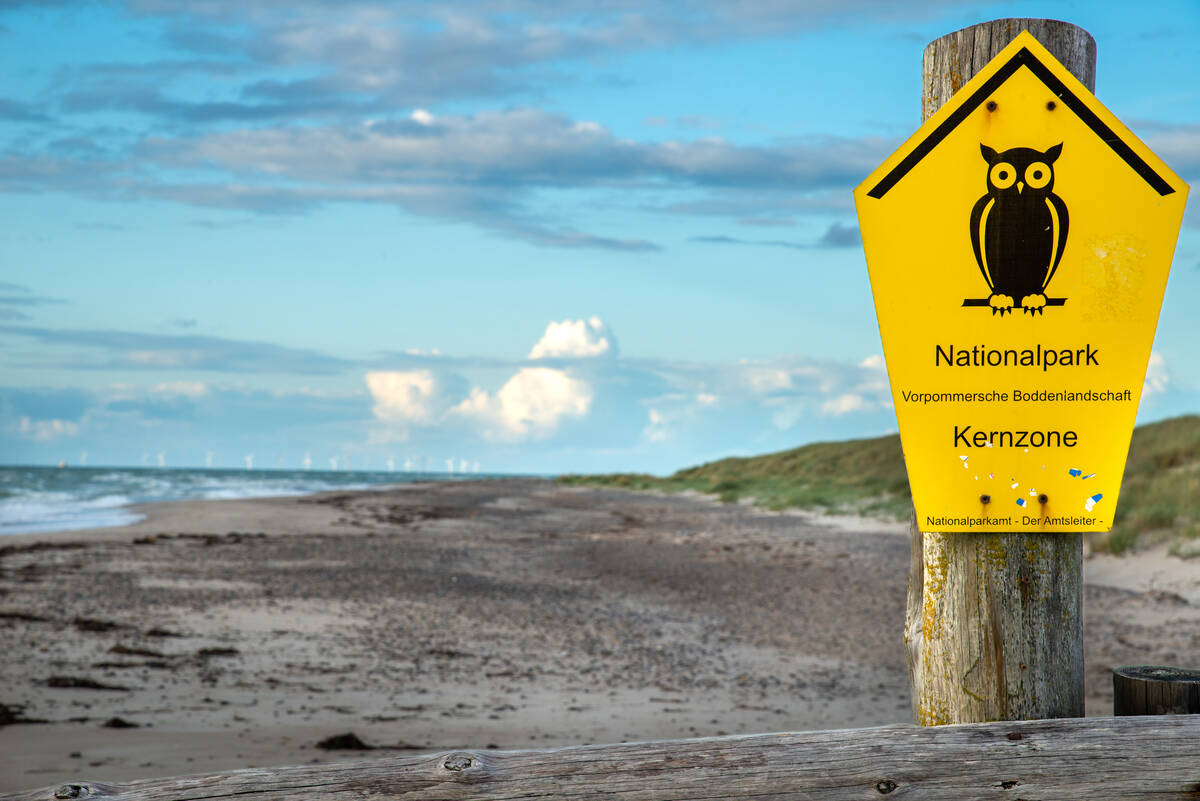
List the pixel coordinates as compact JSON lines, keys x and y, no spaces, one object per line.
{"x":1018,"y":246}
{"x":994,"y":625}
{"x":1155,"y":690}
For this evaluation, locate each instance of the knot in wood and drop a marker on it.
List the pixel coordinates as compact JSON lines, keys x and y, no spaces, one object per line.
{"x":458,"y":762}
{"x":71,"y":791}
{"x":885,"y":786}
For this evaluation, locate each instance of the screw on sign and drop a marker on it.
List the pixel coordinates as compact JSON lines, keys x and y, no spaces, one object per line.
{"x":1021,"y":194}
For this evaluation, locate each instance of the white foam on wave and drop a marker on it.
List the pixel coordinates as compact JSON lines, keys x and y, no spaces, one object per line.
{"x":221,"y":488}
{"x":34,"y":512}
{"x":256,"y":491}
{"x":34,"y":500}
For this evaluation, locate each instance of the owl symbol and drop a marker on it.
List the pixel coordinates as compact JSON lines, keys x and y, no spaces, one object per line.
{"x":1019,"y":228}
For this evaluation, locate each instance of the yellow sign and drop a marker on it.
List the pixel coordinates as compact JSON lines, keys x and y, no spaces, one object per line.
{"x":1018,"y":246}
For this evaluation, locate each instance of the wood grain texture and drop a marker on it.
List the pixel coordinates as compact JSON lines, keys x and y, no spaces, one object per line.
{"x":994,"y":623}
{"x":913,"y":617}
{"x":1095,"y":759}
{"x":952,"y":60}
{"x":1001,"y":628}
{"x":1155,"y":690}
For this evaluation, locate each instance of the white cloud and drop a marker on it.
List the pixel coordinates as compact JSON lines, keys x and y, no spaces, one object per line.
{"x":875,"y":380}
{"x":46,"y":430}
{"x":188,"y":389}
{"x":163,"y":359}
{"x":788,"y":390}
{"x":647,"y":402}
{"x":1156,"y":375}
{"x":529,"y":406}
{"x":787,"y":415}
{"x":655,"y":430}
{"x":844,"y":404}
{"x":406,"y":397}
{"x":1176,"y":144}
{"x":519,"y":146}
{"x":762,"y":380}
{"x":575,"y":338}
{"x":487,"y":168}
{"x":872,"y":362}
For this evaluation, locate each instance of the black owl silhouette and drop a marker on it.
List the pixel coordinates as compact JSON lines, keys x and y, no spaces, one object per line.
{"x":1019,"y":228}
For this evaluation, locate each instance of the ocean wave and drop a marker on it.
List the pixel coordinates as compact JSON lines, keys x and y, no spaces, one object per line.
{"x":40,"y":499}
{"x":34,"y":512}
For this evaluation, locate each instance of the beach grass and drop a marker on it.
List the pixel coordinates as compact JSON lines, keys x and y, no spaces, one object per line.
{"x":1160,"y":494}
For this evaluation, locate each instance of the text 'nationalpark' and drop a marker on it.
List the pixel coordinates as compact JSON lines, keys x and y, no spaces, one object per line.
{"x":1045,"y":358}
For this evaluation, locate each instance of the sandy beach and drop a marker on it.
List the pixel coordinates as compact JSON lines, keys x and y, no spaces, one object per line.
{"x":506,"y":613}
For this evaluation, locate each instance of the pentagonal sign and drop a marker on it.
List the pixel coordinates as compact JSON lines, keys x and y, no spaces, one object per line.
{"x":1018,"y":246}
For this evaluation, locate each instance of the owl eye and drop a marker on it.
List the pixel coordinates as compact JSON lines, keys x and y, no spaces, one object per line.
{"x":1002,"y":175}
{"x":1037,"y":175}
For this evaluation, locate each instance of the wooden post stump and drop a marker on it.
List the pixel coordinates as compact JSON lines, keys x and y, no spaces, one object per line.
{"x":1155,"y":690}
{"x":994,"y":625}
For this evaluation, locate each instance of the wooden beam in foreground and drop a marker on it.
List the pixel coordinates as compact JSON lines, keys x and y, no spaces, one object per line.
{"x":1083,"y":758}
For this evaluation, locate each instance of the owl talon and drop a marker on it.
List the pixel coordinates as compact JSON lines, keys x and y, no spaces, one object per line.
{"x":1000,"y":303}
{"x":1034,"y":304}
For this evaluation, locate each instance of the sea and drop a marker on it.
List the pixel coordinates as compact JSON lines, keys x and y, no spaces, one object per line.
{"x":36,"y":499}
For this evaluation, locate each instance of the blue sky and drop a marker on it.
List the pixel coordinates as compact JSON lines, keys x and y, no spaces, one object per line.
{"x":526,"y":236}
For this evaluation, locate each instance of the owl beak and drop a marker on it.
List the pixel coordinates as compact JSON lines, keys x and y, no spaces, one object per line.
{"x":1020,"y":187}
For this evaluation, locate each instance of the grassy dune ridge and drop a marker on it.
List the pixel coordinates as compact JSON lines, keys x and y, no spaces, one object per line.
{"x":1160,"y":495}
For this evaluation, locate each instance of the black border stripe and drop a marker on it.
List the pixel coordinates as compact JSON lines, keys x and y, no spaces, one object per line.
{"x":1118,"y":145}
{"x":1023,"y":58}
{"x":949,"y":124}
